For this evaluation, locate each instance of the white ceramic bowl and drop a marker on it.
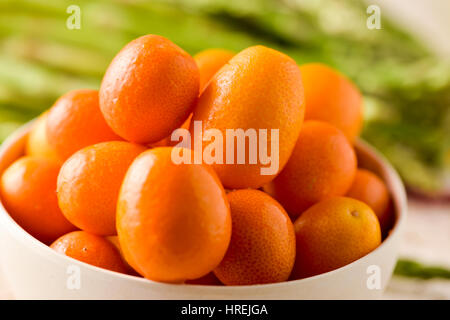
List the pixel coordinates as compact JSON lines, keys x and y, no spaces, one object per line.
{"x":34,"y":271}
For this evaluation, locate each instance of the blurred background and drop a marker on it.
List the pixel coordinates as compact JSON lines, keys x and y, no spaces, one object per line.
{"x":403,"y":70}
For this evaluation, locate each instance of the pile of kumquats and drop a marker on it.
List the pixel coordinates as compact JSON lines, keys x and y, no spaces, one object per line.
{"x":219,"y":169}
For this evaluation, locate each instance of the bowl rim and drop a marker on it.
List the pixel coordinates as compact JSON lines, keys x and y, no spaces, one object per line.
{"x":390,"y":174}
